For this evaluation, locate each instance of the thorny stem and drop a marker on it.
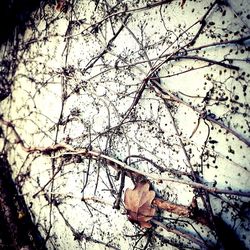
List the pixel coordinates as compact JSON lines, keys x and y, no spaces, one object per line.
{"x":148,"y":6}
{"x":204,"y":198}
{"x":190,"y":43}
{"x":114,"y":163}
{"x":119,"y":195}
{"x":109,"y":44}
{"x":166,"y":95}
{"x":118,"y":164}
{"x":211,"y":62}
{"x":202,"y":21}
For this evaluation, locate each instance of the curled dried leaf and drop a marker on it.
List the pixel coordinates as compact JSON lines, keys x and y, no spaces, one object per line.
{"x":138,"y":202}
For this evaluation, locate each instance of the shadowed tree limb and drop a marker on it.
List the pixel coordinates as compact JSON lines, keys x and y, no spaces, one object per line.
{"x":17,"y":229}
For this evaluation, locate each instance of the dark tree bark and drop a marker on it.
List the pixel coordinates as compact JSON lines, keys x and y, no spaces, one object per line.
{"x":17,"y":231}
{"x":15,"y":13}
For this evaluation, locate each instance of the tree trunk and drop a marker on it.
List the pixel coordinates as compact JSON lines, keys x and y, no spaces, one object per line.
{"x":17,"y":231}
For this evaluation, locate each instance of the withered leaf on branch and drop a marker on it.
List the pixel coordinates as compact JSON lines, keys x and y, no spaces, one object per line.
{"x":138,"y":204}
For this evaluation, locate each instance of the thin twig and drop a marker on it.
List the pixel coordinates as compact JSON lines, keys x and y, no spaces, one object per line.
{"x":181,"y":234}
{"x":117,"y":165}
{"x":165,"y":96}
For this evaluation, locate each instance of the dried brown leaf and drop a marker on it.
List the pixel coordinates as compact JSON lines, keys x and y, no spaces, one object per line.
{"x":138,"y":204}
